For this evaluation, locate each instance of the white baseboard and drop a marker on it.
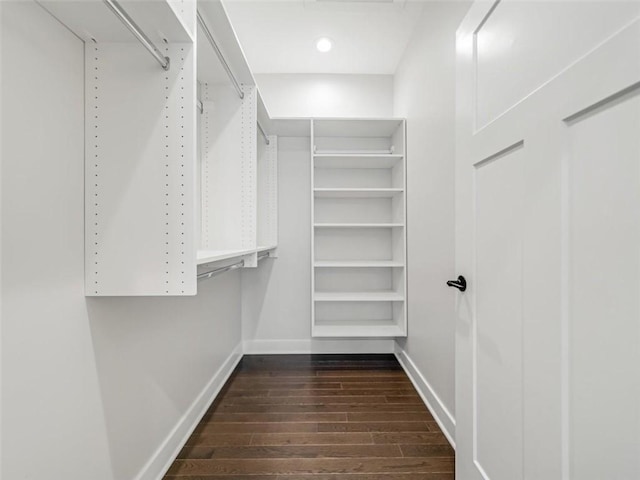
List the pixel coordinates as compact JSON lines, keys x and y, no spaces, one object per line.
{"x":164,"y":456}
{"x":440,"y":412}
{"x":265,"y":347}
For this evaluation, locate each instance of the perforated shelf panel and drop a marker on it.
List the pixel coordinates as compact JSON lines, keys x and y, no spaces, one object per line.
{"x":140,"y":172}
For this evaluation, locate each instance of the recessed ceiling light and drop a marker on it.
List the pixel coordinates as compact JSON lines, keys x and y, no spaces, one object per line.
{"x":324,"y":44}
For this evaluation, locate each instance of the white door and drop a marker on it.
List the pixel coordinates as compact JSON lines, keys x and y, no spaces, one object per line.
{"x":548,"y":238}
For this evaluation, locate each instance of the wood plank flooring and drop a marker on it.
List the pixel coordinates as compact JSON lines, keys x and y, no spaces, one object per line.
{"x":316,"y":417}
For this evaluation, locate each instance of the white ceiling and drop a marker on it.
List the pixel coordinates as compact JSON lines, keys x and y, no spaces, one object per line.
{"x":279,"y":36}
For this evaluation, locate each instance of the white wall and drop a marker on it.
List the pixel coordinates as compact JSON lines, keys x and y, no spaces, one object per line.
{"x":90,"y":387}
{"x":424,"y":94}
{"x":333,"y":95}
{"x":276,"y":298}
{"x":1,"y":139}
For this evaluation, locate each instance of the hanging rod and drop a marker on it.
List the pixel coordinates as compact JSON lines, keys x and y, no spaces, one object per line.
{"x":263,"y":256}
{"x":266,"y":139}
{"x":128,"y":22}
{"x":220,"y":270}
{"x":213,"y":43}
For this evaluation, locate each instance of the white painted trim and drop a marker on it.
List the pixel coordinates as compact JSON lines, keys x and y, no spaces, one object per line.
{"x":438,"y":409}
{"x":265,"y":347}
{"x":166,"y":453}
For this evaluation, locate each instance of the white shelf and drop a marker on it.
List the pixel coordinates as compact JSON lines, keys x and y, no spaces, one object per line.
{"x":369,"y":329}
{"x":357,"y":192}
{"x":356,"y":160}
{"x":358,"y":297}
{"x":358,"y":264}
{"x":208,"y":256}
{"x":353,"y":152}
{"x":358,"y":225}
{"x":371,"y":127}
{"x":93,"y":20}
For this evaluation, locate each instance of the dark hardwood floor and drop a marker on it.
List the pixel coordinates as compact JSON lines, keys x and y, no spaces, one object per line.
{"x":316,"y":417}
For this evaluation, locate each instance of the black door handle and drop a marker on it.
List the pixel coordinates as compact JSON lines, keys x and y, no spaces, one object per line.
{"x":460,"y":284}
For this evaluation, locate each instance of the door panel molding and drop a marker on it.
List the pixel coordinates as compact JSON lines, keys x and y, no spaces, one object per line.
{"x":499,"y":154}
{"x":603,"y":188}
{"x":600,"y":79}
{"x":497,"y":326}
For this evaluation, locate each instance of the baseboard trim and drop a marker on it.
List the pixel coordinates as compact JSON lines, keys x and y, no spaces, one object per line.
{"x":441,"y":413}
{"x":282,"y":347}
{"x":166,"y":453}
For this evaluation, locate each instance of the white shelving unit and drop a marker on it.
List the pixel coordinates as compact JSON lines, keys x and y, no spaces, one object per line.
{"x":176,"y":176}
{"x":140,"y":144}
{"x":358,"y":222}
{"x":238,"y":179}
{"x":237,"y":170}
{"x":228,"y":172}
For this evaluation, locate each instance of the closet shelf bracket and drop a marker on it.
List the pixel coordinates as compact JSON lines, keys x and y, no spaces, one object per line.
{"x":128,"y":22}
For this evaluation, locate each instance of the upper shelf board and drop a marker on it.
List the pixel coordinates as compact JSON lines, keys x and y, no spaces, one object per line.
{"x":356,"y":192}
{"x":358,"y":264}
{"x":92,"y":20}
{"x":361,"y":128}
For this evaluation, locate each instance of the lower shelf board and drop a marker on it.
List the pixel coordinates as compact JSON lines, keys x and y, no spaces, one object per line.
{"x":361,"y":329}
{"x":208,"y":256}
{"x":359,"y":225}
{"x":356,"y":192}
{"x":358,"y":297}
{"x":358,"y":264}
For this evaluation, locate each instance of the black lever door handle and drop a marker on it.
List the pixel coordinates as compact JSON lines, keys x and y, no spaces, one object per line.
{"x":460,"y":284}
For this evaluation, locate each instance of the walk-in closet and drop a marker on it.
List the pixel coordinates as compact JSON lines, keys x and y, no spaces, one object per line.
{"x":319,"y":240}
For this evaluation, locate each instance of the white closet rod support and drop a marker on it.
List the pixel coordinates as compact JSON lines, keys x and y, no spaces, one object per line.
{"x":213,"y":43}
{"x":128,"y":22}
{"x":200,"y":106}
{"x":266,"y":139}
{"x":218,"y":271}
